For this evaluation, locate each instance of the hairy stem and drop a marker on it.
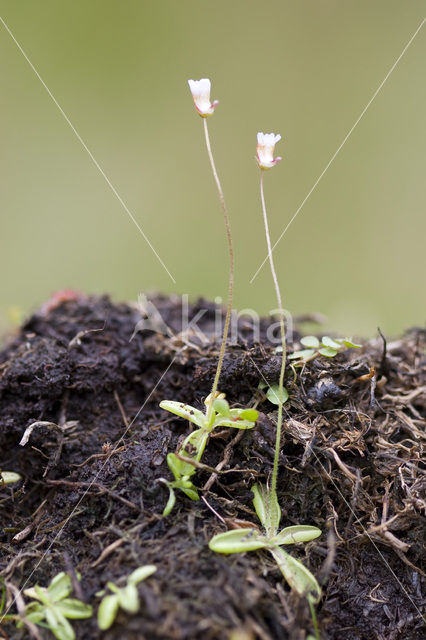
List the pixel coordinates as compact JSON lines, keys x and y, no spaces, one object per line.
{"x":283,"y":340}
{"x":231,"y":273}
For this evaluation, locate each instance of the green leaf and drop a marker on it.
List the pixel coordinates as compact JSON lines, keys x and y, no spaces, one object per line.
{"x":190,"y":491}
{"x":259,"y":504}
{"x":197,"y":441}
{"x":33,"y":592}
{"x":234,"y":424}
{"x":310,"y":341}
{"x":128,"y":598}
{"x":304,"y":354}
{"x":185,"y":411}
{"x":113,"y":587}
{"x":34,"y":615}
{"x":59,"y":587}
{"x":107,"y":611}
{"x":249,"y":414}
{"x":184,"y":485}
{"x":141,"y":573}
{"x":238,"y":541}
{"x":328,"y":352}
{"x":262,"y":384}
{"x":273,"y":394}
{"x":267,"y":508}
{"x":75,"y":609}
{"x":348,"y":343}
{"x":8,"y":477}
{"x":234,"y":420}
{"x":297,"y":575}
{"x":34,"y":607}
{"x":297,"y":533}
{"x":58,"y":624}
{"x":40,"y":594}
{"x":221,"y":406}
{"x":328,"y":342}
{"x":179,"y":468}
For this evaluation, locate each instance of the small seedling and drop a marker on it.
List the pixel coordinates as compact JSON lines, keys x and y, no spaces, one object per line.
{"x":53,"y":607}
{"x":268,"y":511}
{"x":126,"y":597}
{"x":9,"y":477}
{"x":194,"y":444}
{"x":326,"y":347}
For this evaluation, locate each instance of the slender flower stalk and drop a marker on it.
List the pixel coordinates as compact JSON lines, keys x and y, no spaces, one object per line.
{"x":200,"y":90}
{"x":266,"y":160}
{"x":231,"y":273}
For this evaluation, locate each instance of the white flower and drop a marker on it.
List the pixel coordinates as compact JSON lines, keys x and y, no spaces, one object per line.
{"x":265,"y":149}
{"x":200,"y":90}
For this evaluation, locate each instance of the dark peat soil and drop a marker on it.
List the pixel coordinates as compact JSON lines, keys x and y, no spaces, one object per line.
{"x":351,"y":464}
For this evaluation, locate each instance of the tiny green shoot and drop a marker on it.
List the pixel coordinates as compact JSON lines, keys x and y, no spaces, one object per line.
{"x":126,"y":597}
{"x":327,"y":347}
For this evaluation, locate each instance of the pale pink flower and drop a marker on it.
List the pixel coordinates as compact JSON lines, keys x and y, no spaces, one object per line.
{"x":265,"y":150}
{"x":200,"y":90}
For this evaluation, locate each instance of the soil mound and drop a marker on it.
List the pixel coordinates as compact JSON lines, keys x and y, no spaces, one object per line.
{"x":351,"y":464}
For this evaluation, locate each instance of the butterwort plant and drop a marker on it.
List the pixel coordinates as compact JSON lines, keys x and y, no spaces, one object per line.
{"x":265,"y":159}
{"x":218,"y":413}
{"x":265,"y":500}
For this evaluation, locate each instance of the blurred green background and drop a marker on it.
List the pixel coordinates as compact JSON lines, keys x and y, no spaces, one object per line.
{"x":305,"y":69}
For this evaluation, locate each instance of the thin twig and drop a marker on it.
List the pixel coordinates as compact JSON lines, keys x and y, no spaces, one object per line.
{"x":78,"y":590}
{"x":195,"y":463}
{"x":121,"y":408}
{"x":107,"y":551}
{"x":226,"y":456}
{"x":95,"y":485}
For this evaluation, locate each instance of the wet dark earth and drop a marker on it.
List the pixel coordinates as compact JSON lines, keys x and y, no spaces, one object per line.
{"x":352,"y":464}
